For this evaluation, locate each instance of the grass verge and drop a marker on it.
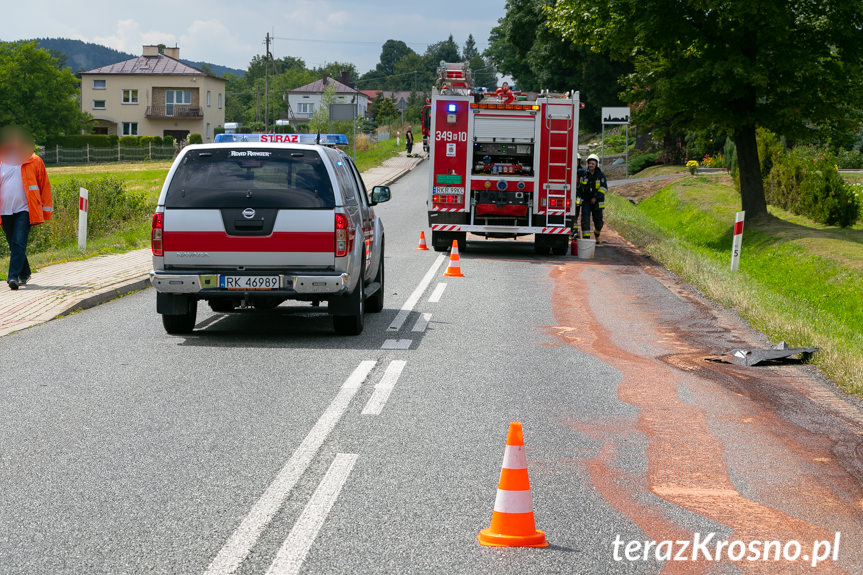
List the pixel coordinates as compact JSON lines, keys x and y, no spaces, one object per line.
{"x":798,"y":281}
{"x":146,"y":178}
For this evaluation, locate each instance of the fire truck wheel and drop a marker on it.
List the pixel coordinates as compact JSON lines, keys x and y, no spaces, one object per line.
{"x":561,"y":246}
{"x":440,"y":242}
{"x":541,"y":249}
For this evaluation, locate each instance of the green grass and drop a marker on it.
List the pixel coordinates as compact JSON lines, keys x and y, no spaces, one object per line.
{"x":797,"y":281}
{"x":147,"y":177}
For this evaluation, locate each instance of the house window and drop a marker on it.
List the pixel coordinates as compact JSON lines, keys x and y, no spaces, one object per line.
{"x":220,"y":100}
{"x":130,"y":96}
{"x":176,"y":98}
{"x":208,"y":98}
{"x":98,"y":104}
{"x":306,"y":108}
{"x":98,"y":84}
{"x":130,"y":128}
{"x":209,"y":134}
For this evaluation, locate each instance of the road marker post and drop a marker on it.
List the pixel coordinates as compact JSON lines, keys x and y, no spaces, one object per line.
{"x":83,"y":208}
{"x":737,"y":242}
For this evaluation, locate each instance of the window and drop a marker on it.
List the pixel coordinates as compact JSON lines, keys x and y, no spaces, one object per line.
{"x":178,"y":98}
{"x":306,"y":108}
{"x":130,"y":128}
{"x":99,"y":84}
{"x":208,"y":98}
{"x":130,"y":96}
{"x":220,"y":100}
{"x":98,"y":104}
{"x":209,"y":135}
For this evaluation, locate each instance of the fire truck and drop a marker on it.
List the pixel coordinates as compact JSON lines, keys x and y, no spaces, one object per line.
{"x":503,"y":164}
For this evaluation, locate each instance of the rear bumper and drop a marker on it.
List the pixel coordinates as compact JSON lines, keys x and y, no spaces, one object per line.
{"x":289,"y":284}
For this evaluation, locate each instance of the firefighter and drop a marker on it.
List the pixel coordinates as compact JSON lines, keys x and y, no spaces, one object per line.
{"x":592,"y":187}
{"x":578,"y":170}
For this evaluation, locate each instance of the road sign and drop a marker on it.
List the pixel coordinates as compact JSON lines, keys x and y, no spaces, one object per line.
{"x":343,"y":112}
{"x":615,"y":115}
{"x":737,"y":242}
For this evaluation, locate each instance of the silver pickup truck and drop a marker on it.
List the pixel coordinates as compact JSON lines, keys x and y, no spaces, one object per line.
{"x":254,"y":224}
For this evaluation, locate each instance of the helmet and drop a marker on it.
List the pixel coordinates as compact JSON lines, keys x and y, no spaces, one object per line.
{"x":579,"y":155}
{"x":593,"y":157}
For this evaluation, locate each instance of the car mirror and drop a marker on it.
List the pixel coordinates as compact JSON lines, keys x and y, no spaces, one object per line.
{"x":380,"y":194}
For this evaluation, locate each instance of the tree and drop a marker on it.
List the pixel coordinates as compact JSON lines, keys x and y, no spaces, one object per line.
{"x":320,"y":121}
{"x":545,"y":60}
{"x":780,"y":64}
{"x":36,"y":94}
{"x":469,"y":51}
{"x":391,"y":52}
{"x":446,"y":51}
{"x":383,"y":109}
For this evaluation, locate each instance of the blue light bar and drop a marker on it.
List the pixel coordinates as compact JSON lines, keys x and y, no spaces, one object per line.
{"x":451,"y":108}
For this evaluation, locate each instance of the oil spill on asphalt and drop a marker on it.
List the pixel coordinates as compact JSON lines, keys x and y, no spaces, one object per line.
{"x":751,"y":449}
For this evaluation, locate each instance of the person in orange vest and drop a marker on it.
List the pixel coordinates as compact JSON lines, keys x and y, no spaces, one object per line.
{"x":25,"y":199}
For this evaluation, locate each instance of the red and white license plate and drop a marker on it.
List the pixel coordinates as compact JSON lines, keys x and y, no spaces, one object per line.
{"x":249,"y":282}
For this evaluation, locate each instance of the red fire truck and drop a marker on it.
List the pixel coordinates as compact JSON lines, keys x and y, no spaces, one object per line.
{"x":503,"y":165}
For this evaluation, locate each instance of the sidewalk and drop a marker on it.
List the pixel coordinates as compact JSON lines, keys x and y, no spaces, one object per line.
{"x":56,"y":290}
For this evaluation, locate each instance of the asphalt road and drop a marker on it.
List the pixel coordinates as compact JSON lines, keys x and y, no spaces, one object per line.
{"x":263,"y":443}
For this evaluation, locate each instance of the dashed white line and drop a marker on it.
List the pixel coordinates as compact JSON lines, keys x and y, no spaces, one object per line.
{"x":437,"y":293}
{"x":289,"y":559}
{"x":384,"y":388}
{"x":397,"y":344}
{"x":416,"y":295}
{"x":237,"y":548}
{"x":422,"y":323}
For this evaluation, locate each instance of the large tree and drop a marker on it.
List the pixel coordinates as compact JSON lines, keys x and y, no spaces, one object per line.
{"x":36,"y":93}
{"x":543,"y":59}
{"x":782,"y":64}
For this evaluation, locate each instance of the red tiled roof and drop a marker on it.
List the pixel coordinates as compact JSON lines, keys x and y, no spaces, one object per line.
{"x":160,"y":65}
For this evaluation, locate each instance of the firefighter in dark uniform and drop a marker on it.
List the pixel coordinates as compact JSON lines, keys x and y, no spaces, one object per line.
{"x":592,"y":187}
{"x":579,"y":169}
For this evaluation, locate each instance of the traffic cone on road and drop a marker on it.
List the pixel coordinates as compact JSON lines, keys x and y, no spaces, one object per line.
{"x":422,"y":247}
{"x":512,"y":523}
{"x":454,"y":268}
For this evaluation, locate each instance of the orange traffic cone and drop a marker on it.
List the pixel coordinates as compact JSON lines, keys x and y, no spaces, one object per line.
{"x":512,"y":523}
{"x":422,"y":247}
{"x":454,"y":268}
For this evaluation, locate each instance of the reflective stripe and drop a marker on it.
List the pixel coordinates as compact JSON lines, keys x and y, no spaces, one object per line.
{"x":47,"y":208}
{"x":513,"y":502}
{"x":601,"y":205}
{"x":33,"y":188}
{"x":513,"y":457}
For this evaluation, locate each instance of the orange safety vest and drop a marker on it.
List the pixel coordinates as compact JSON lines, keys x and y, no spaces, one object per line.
{"x":40,"y":203}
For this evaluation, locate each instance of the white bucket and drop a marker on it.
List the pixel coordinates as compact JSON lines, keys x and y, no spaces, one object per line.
{"x":586,"y":248}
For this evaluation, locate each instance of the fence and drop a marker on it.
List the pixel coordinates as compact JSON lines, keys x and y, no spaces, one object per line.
{"x":94,"y":155}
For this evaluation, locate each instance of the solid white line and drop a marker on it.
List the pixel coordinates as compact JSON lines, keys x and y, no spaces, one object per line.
{"x":235,"y":550}
{"x":416,"y":295}
{"x":422,"y":322}
{"x":289,"y":559}
{"x":437,"y":293}
{"x":385,"y":386}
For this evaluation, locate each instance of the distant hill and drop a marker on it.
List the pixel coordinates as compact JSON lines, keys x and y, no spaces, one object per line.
{"x":83,"y":56}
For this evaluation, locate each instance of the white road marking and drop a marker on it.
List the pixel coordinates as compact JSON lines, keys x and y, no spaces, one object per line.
{"x":384,"y":388}
{"x":422,"y":322}
{"x":289,"y":559}
{"x":416,"y":295}
{"x":235,"y":550}
{"x":397,"y":344}
{"x":437,"y":293}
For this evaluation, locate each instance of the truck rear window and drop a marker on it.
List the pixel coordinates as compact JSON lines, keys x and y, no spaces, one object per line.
{"x":245,"y":177}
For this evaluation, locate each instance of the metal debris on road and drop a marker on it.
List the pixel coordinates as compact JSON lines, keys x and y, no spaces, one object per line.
{"x":749,"y":357}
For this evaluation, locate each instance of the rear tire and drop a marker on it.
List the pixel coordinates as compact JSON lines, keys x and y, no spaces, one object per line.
{"x":352,"y":324}
{"x":181,"y":324}
{"x":561,"y":246}
{"x":376,"y":302}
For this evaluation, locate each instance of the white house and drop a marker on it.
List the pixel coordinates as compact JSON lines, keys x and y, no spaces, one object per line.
{"x":305,"y":100}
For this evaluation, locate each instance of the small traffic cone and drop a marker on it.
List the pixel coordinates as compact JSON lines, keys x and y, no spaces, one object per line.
{"x":422,"y":247}
{"x":454,"y":268}
{"x":512,"y":523}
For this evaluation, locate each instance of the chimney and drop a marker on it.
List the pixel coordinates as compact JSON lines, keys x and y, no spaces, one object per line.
{"x":345,"y":77}
{"x":172,"y":52}
{"x":325,"y":80}
{"x":151,"y":51}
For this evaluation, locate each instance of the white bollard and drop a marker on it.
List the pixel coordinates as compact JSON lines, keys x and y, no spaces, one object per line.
{"x":737,"y":242}
{"x":83,"y":207}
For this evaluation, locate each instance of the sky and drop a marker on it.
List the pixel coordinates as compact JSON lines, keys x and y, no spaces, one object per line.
{"x":231,"y":32}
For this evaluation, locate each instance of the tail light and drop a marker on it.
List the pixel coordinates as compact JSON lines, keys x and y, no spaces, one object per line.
{"x":157,"y":234}
{"x":342,"y":246}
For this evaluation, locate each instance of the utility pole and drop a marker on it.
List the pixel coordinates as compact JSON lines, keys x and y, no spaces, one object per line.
{"x":267,"y":87}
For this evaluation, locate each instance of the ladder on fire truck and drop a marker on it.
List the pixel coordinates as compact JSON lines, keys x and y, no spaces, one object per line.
{"x":558,"y":123}
{"x":454,"y":77}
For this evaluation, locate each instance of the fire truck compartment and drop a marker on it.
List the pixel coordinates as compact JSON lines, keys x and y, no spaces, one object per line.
{"x":502,"y":158}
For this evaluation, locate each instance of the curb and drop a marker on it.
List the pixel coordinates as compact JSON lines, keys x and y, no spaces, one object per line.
{"x":400,"y":174}
{"x":100,"y":298}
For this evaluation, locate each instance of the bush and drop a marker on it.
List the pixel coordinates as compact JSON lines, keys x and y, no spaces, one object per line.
{"x":129,"y":140}
{"x":79,"y":141}
{"x":168,"y":141}
{"x":145,"y":141}
{"x":112,"y":207}
{"x":195,"y":139}
{"x":850,"y":159}
{"x":638,"y":163}
{"x":812,"y":187}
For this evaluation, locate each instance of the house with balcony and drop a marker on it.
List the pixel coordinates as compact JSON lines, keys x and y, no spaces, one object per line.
{"x":305,"y":100}
{"x":154,"y":94}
